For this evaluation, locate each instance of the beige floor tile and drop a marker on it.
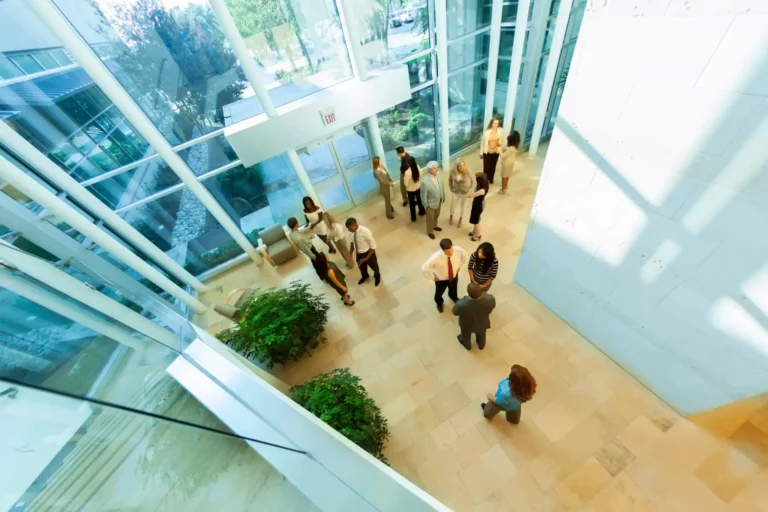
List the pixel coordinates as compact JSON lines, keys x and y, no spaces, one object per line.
{"x":444,"y":434}
{"x":622,"y":495}
{"x":689,"y":493}
{"x":488,"y":474}
{"x":545,"y":472}
{"x":614,"y":457}
{"x":586,"y":482}
{"x":449,"y":401}
{"x":522,"y":492}
{"x":726,"y":472}
{"x":554,"y":422}
{"x":639,"y":435}
{"x":469,"y":446}
{"x":399,"y":407}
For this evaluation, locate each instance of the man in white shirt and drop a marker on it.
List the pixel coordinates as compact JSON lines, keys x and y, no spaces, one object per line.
{"x":364,"y":247}
{"x":443,"y":268}
{"x":433,"y":197}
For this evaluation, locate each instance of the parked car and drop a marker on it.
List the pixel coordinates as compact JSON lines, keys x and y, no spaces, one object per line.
{"x":394,"y":20}
{"x":406,"y":16}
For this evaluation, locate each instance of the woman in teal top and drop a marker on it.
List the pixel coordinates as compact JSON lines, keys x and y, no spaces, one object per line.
{"x":519,"y":387}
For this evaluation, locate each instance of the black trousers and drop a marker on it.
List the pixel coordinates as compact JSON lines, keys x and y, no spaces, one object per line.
{"x":489,"y":165}
{"x":466,"y":336}
{"x":373,"y":263}
{"x":414,"y":199}
{"x":452,"y":286}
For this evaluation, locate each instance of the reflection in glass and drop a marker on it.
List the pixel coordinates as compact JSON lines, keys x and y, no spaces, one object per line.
{"x":128,"y":187}
{"x":468,"y":51}
{"x":412,"y":125}
{"x":390,"y":32}
{"x":466,"y":105}
{"x":334,"y":196}
{"x":182,"y":227}
{"x":259,"y":196}
{"x":208,"y":155}
{"x":465,"y":16}
{"x":419,"y":70}
{"x":353,"y":148}
{"x":319,"y":163}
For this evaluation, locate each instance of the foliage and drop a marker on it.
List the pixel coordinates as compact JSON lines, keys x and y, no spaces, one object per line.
{"x":278,"y":325}
{"x":215,"y":257}
{"x":338,"y":399}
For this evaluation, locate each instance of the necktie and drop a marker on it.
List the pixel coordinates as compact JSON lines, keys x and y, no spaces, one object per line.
{"x":450,"y":269}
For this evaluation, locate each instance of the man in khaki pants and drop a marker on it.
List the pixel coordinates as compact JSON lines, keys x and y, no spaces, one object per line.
{"x":432,"y":197}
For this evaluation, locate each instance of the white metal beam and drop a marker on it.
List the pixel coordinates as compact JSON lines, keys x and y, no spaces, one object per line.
{"x":38,"y":193}
{"x":65,"y":182}
{"x":563,"y":14}
{"x":521,"y":25}
{"x":493,"y":62}
{"x":441,"y":29}
{"x":70,"y":38}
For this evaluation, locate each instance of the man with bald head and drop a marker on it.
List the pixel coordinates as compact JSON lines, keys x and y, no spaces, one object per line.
{"x":474,"y":312}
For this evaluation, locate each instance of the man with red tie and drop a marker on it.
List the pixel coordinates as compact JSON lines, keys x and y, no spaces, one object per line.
{"x":443,"y":268}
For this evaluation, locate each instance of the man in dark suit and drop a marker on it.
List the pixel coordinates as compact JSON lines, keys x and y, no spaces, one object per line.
{"x":474,"y":312}
{"x":406,"y":162}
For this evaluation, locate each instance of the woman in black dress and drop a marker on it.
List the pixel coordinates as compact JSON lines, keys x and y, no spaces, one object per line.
{"x":331,"y":274}
{"x":478,"y":198}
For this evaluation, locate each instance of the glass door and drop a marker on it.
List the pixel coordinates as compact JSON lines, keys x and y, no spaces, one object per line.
{"x":339,"y":167}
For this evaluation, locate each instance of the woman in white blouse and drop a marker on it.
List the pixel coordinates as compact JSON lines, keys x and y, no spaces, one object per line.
{"x":315,"y":222}
{"x":508,"y":158}
{"x":412,"y":185}
{"x":491,"y":148}
{"x":461,"y":182}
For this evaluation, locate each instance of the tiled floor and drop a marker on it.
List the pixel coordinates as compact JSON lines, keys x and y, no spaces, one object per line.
{"x":592,"y":439}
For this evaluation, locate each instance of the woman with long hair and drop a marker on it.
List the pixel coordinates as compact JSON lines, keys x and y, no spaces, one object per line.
{"x":508,"y":158}
{"x":314,"y":216}
{"x":512,"y":392}
{"x":340,"y":238}
{"x":491,"y":148}
{"x":478,"y":198}
{"x":331,"y":274}
{"x":483,"y":266}
{"x":385,"y":185}
{"x":412,"y":177}
{"x":461,"y":182}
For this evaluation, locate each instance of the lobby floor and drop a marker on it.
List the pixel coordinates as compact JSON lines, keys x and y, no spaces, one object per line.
{"x":593,"y":438}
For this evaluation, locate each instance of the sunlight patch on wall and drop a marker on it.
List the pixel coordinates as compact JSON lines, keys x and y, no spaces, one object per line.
{"x":730,"y":318}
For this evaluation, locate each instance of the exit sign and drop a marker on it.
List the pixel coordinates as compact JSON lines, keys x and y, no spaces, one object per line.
{"x":329,"y":116}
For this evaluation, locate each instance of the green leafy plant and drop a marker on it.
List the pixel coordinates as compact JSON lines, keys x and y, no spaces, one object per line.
{"x":338,"y":398}
{"x":279,"y":325}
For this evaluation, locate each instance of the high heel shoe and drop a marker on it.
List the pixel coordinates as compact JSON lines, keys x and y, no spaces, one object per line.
{"x":459,"y":224}
{"x":450,"y":220}
{"x":475,"y":239}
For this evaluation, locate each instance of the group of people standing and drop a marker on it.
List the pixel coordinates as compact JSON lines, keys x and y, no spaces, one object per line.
{"x":424,"y":194}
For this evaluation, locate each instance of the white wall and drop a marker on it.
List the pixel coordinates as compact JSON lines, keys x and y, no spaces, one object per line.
{"x":648,"y":232}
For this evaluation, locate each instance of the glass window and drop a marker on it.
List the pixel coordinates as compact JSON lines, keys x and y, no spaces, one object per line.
{"x":27,"y":63}
{"x":135,"y":184}
{"x":466,"y":106}
{"x":390,"y":32}
{"x":208,"y":155}
{"x":318,"y":162}
{"x":60,"y":57}
{"x":46,"y":60}
{"x":410,"y":124}
{"x":420,"y":70}
{"x":465,"y":16}
{"x":182,"y":227}
{"x":8,"y":69}
{"x":505,"y":41}
{"x":468,"y":51}
{"x":260,"y":196}
{"x":509,"y":12}
{"x":172,"y":57}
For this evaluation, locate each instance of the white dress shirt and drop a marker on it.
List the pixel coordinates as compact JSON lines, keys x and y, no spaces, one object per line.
{"x":437,"y":264}
{"x":363,"y":239}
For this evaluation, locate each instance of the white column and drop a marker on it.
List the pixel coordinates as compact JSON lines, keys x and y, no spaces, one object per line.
{"x":493,"y":60}
{"x":38,"y":193}
{"x":521,"y":24}
{"x":57,"y":175}
{"x":563,"y":13}
{"x":100,"y":74}
{"x":441,"y":29}
{"x":375,"y":133}
{"x":71,"y":287}
{"x":254,"y":79}
{"x":535,"y":43}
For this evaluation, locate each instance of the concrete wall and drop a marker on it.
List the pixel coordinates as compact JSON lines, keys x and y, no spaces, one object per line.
{"x":648,"y":232}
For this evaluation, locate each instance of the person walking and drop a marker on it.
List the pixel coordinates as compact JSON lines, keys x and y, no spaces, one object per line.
{"x":512,"y":392}
{"x":508,"y":157}
{"x":331,"y":274}
{"x":474,"y":312}
{"x":340,"y":237}
{"x":412,"y":179}
{"x":432,"y":196}
{"x":443,"y":268}
{"x":302,"y":241}
{"x":314,"y":216}
{"x":385,"y":184}
{"x":406,"y":162}
{"x":490,"y":148}
{"x":478,"y":201}
{"x":483,"y":266}
{"x":461,"y":182}
{"x":364,"y":247}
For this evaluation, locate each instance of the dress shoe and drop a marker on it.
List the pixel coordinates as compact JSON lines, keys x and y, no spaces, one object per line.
{"x":405,"y":203}
{"x":440,"y":308}
{"x":461,"y":340}
{"x":362,"y":280}
{"x":376,"y":281}
{"x":431,"y":236}
{"x":438,"y":229}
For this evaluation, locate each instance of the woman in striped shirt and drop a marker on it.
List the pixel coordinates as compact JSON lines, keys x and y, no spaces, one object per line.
{"x":483,"y":266}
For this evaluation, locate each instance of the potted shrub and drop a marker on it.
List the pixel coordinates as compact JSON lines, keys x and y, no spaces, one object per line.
{"x":279,"y":325}
{"x":338,"y":398}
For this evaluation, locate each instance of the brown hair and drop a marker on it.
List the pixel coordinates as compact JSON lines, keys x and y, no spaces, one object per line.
{"x":490,"y":123}
{"x":482,"y":181}
{"x":376,"y":162}
{"x":521,"y":383}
